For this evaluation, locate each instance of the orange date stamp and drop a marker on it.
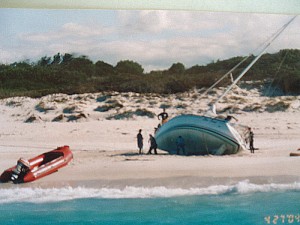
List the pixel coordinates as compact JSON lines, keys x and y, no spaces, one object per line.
{"x":282,"y":219}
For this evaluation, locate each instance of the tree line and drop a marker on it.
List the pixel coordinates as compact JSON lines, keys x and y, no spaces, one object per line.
{"x":70,"y":74}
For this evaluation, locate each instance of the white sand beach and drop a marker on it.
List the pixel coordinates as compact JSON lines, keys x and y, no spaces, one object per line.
{"x":105,"y":150}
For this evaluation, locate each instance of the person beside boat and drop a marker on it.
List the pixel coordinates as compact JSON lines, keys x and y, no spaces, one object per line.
{"x":153,"y":145}
{"x":251,"y":139}
{"x":140,"y":141}
{"x":180,"y":145}
{"x":164,"y":116}
{"x":229,"y":118}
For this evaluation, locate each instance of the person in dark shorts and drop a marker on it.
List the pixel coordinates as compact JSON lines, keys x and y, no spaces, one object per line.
{"x":251,"y":140}
{"x":164,"y":116}
{"x":153,"y":145}
{"x":229,"y":118}
{"x":140,"y":141}
{"x":180,"y":145}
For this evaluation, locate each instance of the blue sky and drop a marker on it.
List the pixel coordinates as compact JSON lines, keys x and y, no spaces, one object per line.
{"x":155,"y":39}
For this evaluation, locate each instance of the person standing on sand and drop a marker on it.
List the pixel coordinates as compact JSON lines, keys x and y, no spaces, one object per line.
{"x":153,"y":145}
{"x":180,"y":145}
{"x":164,"y":116}
{"x":229,"y":118}
{"x":140,"y":141}
{"x":251,"y":140}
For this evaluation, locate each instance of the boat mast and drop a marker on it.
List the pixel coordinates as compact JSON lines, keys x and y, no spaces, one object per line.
{"x":233,"y":68}
{"x":253,"y":62}
{"x":225,"y":75}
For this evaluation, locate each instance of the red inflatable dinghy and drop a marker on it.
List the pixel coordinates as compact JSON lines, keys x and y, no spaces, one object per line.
{"x":38,"y":167}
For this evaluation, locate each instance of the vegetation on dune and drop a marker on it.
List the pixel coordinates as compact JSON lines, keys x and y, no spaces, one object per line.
{"x":70,"y":74}
{"x":130,"y":114}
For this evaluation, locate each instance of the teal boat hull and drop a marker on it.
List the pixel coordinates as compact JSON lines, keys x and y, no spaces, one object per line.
{"x":202,"y":136}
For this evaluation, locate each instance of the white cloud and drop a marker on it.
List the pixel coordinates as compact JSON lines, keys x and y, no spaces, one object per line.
{"x":143,"y":21}
{"x":69,"y":31}
{"x":84,"y":30}
{"x":201,"y":37}
{"x":153,"y":22}
{"x":156,"y":39}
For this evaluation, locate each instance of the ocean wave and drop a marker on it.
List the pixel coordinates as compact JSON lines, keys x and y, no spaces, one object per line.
{"x":41,"y":195}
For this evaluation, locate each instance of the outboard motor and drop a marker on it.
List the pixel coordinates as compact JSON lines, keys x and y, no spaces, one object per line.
{"x":20,"y":171}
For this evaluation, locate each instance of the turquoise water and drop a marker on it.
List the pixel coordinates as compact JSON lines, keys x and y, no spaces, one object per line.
{"x":238,"y":204}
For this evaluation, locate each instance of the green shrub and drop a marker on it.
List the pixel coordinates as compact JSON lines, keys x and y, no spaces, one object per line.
{"x":129,"y":114}
{"x":278,"y":106}
{"x":74,"y":75}
{"x":69,"y":110}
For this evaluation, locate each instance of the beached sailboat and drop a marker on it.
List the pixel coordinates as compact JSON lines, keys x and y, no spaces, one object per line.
{"x":205,"y":135}
{"x":202,"y":135}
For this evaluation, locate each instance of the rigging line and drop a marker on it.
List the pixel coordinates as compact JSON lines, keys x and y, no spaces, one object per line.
{"x":277,"y":72}
{"x":254,"y":61}
{"x":205,"y":142}
{"x":245,"y":58}
{"x":270,"y":85}
{"x":225,"y":75}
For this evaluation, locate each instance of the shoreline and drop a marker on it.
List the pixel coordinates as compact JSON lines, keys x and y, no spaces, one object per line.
{"x":110,"y":169}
